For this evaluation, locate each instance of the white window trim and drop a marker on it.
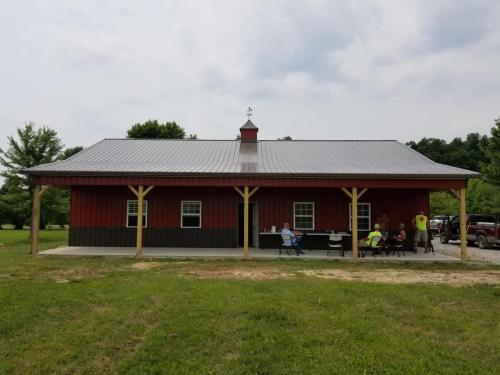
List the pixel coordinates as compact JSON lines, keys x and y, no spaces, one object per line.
{"x":313,"y":216}
{"x":144,"y":225}
{"x":201,"y":206}
{"x":369,"y":215}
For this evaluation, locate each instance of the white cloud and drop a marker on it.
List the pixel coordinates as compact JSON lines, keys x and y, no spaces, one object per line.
{"x":316,"y":69}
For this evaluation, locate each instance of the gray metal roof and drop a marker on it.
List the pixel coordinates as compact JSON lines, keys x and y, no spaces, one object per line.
{"x":343,"y":159}
{"x":249,"y":125}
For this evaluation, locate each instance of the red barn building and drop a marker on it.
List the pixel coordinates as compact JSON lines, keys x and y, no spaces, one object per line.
{"x":194,"y":192}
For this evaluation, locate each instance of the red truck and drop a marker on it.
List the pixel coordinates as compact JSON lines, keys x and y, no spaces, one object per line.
{"x":483,"y":229}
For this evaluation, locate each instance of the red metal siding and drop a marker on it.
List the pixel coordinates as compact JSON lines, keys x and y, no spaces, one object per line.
{"x":105,"y":206}
{"x":264,"y":182}
{"x":332,"y":206}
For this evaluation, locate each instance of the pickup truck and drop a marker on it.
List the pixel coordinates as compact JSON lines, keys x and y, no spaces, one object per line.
{"x":483,"y":229}
{"x":435,"y":223}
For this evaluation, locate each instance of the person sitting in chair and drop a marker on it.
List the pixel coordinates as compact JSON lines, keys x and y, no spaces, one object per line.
{"x":401,"y":236}
{"x":294,"y":238}
{"x":369,"y":241}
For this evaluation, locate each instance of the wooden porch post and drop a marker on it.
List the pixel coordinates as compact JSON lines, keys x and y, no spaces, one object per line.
{"x":354,"y":208}
{"x":140,"y":193}
{"x":463,"y":222}
{"x":354,"y":211}
{"x":35,"y":217}
{"x":140,"y":199}
{"x":463,"y":226}
{"x":246,"y":194}
{"x":245,"y":221}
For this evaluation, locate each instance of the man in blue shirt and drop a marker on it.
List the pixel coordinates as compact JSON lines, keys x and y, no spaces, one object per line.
{"x":292,"y":238}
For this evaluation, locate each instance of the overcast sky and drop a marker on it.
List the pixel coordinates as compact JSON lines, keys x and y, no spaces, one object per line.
{"x":310,"y":69}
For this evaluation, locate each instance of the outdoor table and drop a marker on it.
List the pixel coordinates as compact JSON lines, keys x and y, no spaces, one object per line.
{"x":310,"y":241}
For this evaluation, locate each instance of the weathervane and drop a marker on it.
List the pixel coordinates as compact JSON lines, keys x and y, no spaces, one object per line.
{"x":249,"y":112}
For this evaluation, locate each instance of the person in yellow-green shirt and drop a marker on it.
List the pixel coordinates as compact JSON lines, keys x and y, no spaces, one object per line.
{"x":367,"y":241}
{"x":421,"y":225}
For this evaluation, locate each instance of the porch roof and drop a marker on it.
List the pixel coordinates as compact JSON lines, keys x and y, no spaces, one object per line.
{"x":214,"y":158}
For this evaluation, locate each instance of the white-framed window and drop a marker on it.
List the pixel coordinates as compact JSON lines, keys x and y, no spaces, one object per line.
{"x":364,"y":216}
{"x":191,"y":214}
{"x":303,"y":215}
{"x":132,"y":210}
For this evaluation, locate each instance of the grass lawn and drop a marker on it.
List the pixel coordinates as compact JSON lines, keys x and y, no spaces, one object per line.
{"x":105,"y":316}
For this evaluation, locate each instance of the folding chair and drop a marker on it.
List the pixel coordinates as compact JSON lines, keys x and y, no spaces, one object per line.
{"x":286,"y":238}
{"x":373,"y":245}
{"x":335,"y":244}
{"x":397,"y":247}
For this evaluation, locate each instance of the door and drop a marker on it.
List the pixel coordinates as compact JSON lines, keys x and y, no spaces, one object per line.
{"x":255,"y":225}
{"x":252,"y":227}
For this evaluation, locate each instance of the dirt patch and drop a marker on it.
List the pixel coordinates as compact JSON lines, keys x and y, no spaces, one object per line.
{"x":240,"y":273}
{"x":388,"y":276}
{"x":73,"y":274}
{"x":391,"y":276}
{"x":144,"y":266}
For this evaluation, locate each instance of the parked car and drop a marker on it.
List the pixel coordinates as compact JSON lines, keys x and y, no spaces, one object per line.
{"x":483,"y":229}
{"x":436,"y":222}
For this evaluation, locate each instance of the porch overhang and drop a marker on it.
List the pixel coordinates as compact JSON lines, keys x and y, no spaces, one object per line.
{"x":387,"y":182}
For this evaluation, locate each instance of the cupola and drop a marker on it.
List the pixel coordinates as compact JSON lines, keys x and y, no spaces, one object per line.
{"x":248,"y":132}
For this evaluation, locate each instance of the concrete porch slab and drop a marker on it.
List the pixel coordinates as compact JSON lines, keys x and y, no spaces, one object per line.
{"x":236,"y":253}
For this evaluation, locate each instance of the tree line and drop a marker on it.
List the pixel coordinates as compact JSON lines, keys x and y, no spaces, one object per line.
{"x":34,"y":145}
{"x":479,"y":153}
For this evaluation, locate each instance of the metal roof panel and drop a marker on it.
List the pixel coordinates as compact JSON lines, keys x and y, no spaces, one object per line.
{"x":337,"y":158}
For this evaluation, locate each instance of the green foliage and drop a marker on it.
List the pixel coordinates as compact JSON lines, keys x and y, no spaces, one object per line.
{"x":15,"y":204}
{"x":32,"y":147}
{"x":468,"y":154}
{"x":482,"y":197}
{"x":491,"y":170}
{"x":152,"y":129}
{"x":69,"y":152}
{"x":443,"y":203}
{"x":285,"y":138}
{"x":55,"y":206}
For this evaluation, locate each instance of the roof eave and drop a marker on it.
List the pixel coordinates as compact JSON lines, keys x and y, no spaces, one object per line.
{"x":252,"y":175}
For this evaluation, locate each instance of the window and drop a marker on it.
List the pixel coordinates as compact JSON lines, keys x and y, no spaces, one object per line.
{"x":190,"y":214}
{"x":364,"y":216}
{"x":132,"y":209}
{"x":303,"y":215}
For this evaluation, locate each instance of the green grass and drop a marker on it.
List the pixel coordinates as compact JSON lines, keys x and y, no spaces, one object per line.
{"x":99,"y":315}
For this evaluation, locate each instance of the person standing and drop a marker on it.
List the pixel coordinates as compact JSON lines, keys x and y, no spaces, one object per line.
{"x":421,"y":225}
{"x":383,"y":221}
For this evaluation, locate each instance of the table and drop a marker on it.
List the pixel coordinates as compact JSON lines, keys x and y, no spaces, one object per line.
{"x":311,"y":241}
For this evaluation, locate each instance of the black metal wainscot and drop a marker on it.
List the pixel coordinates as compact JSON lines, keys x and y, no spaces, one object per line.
{"x":311,"y":241}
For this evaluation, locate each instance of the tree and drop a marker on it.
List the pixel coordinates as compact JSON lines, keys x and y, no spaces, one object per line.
{"x":32,"y":147}
{"x":443,"y":203}
{"x":491,"y":169}
{"x":482,"y":197}
{"x":468,"y":154}
{"x":285,"y":138}
{"x":152,"y":129}
{"x":15,"y":205}
{"x":69,"y":152}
